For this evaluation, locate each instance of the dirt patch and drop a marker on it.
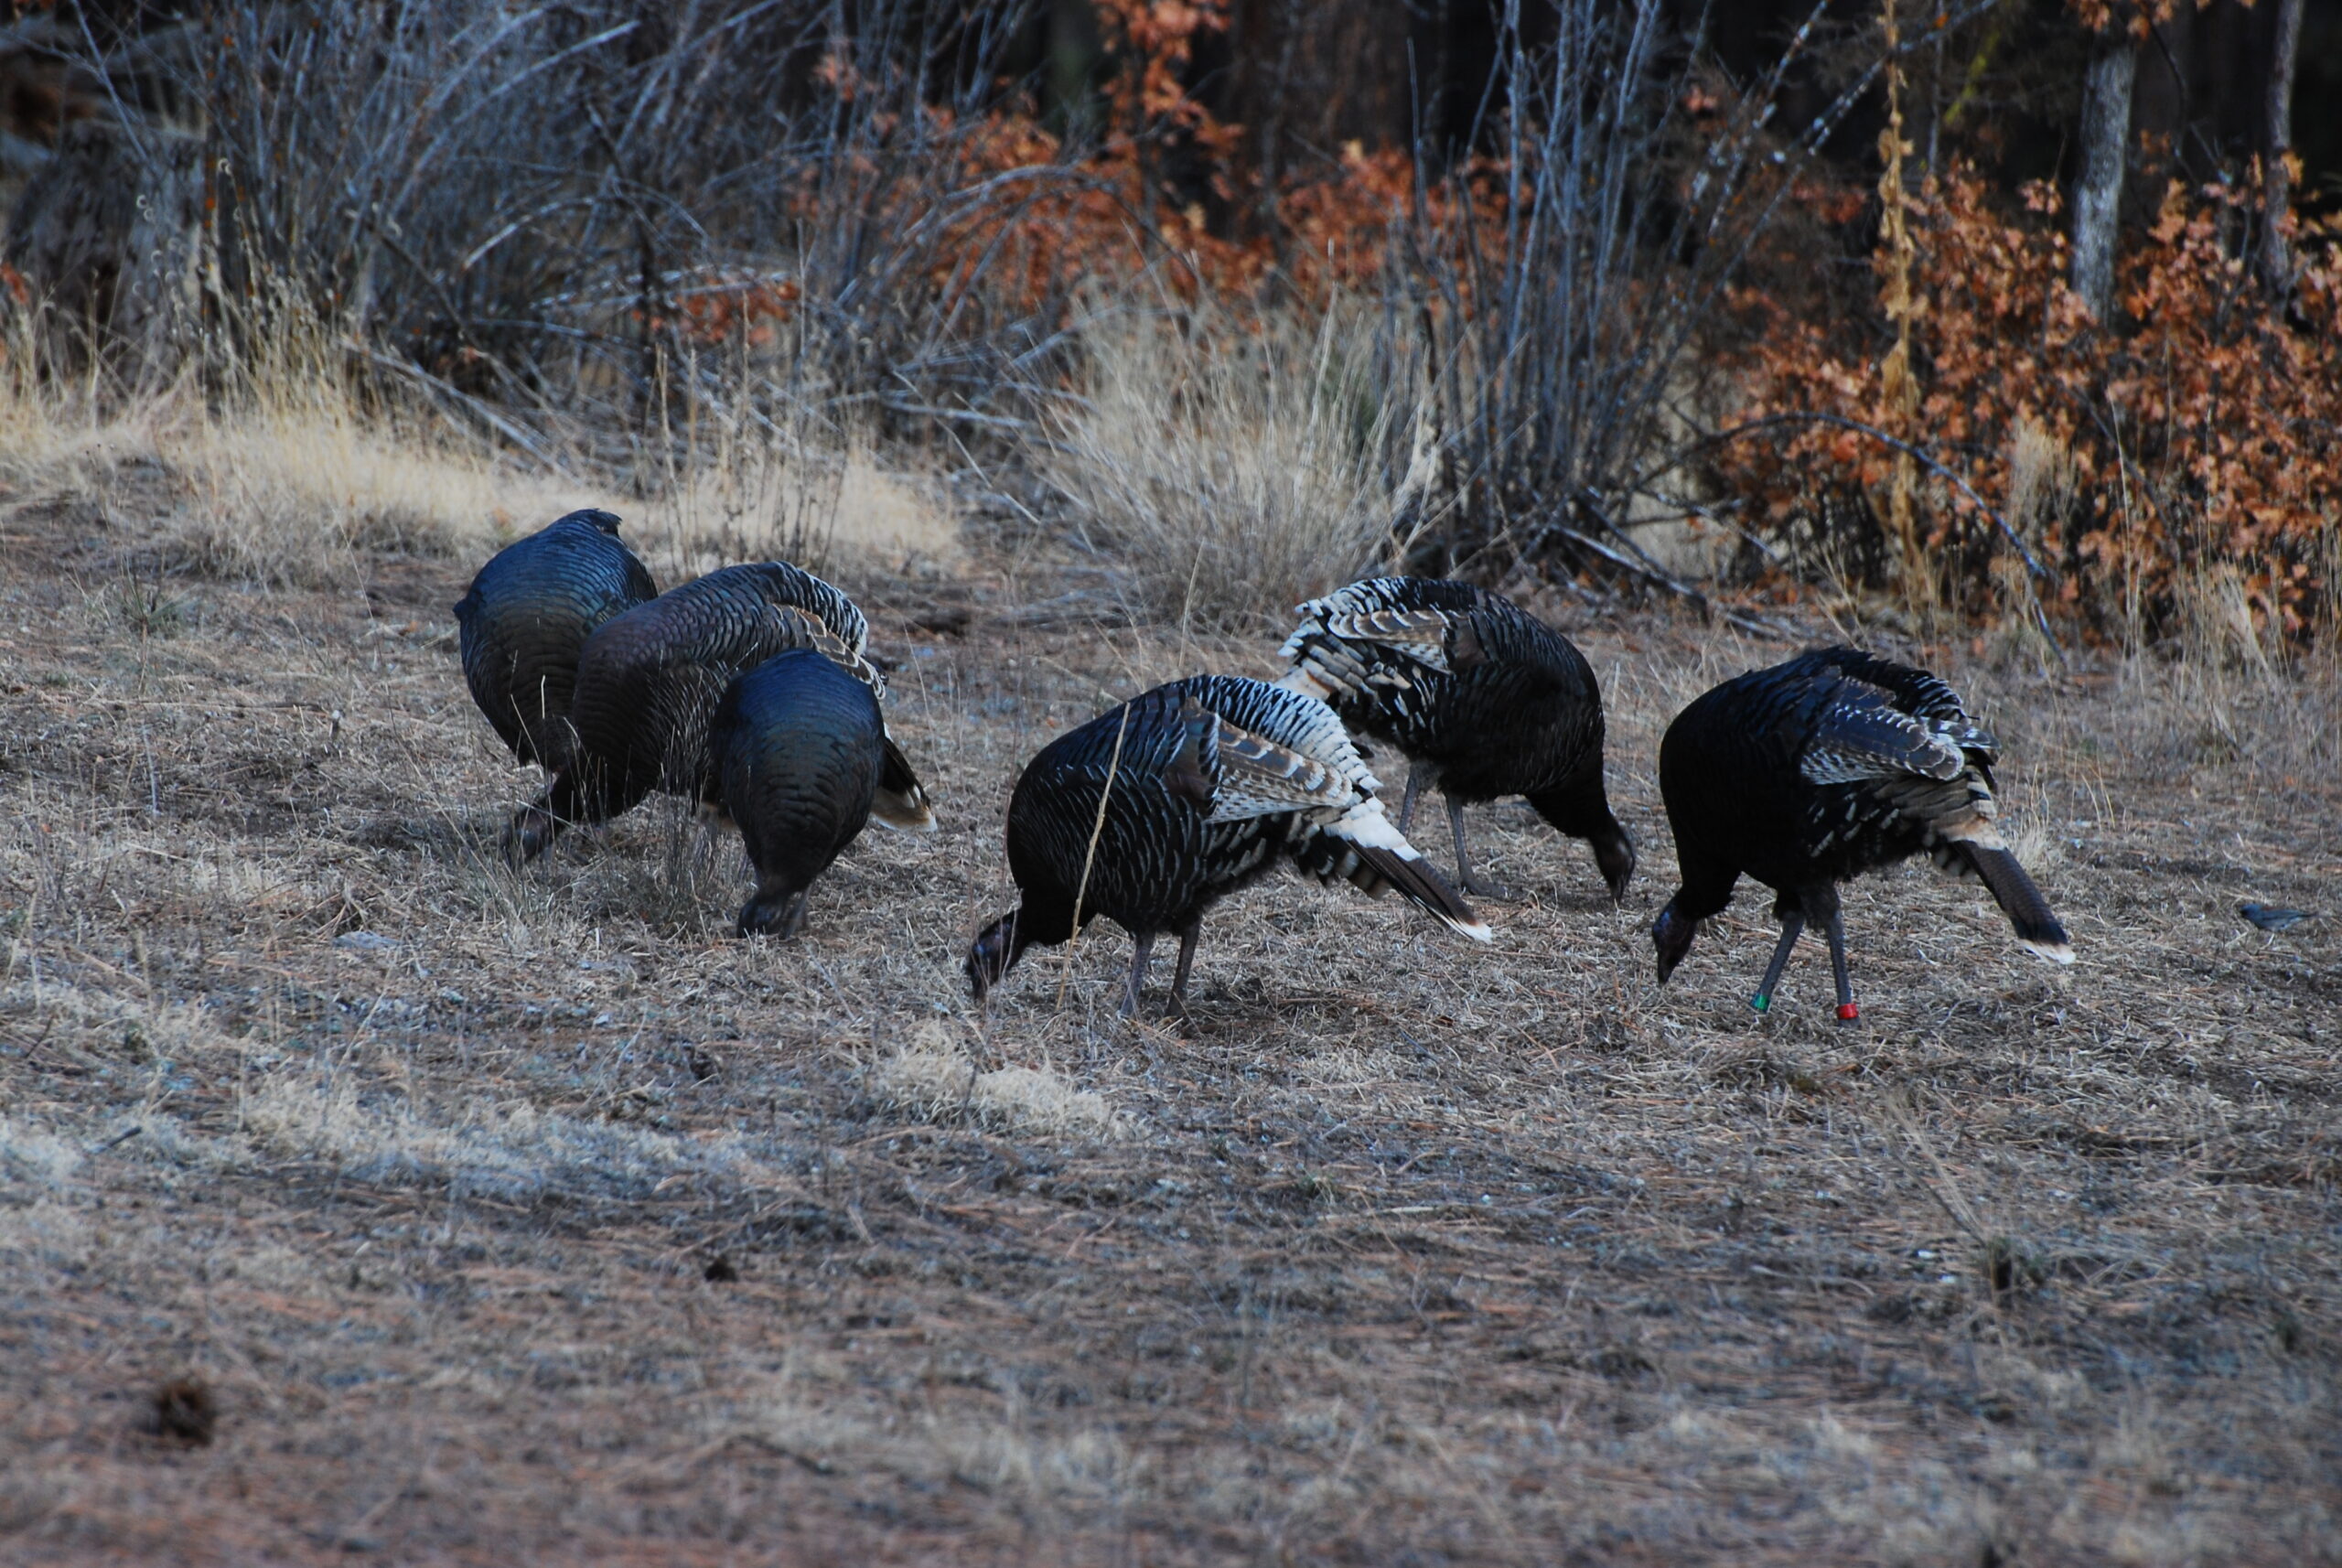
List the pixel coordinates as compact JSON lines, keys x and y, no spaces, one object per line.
{"x":1401,"y":1252}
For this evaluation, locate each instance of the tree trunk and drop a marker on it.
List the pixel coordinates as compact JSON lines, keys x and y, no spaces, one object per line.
{"x":2098,"y":195}
{"x":2276,"y":177}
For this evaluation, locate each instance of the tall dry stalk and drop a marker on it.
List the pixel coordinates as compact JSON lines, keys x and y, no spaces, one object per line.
{"x":1899,"y":387}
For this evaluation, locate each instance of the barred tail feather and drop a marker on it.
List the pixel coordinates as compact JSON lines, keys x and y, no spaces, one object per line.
{"x":901,"y":801}
{"x":1301,"y":679}
{"x":2019,"y":899}
{"x":1322,"y":667}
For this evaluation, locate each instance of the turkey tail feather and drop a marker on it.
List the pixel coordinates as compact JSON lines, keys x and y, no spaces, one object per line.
{"x":1419,"y":885}
{"x":901,"y":801}
{"x":1364,"y":849}
{"x":2028,"y":910}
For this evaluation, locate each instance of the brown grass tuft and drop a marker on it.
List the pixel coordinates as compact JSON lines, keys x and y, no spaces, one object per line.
{"x":934,"y":1079}
{"x":1228,"y":466}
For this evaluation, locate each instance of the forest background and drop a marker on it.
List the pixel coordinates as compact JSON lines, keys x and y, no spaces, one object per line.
{"x":2021,"y":312}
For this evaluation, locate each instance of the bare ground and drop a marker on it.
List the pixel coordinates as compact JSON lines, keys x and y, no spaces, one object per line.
{"x":510,"y":1218}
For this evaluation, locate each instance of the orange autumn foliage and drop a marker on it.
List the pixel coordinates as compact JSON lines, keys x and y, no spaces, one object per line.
{"x":720,"y":307}
{"x":1105,"y":209}
{"x":2204,"y":434}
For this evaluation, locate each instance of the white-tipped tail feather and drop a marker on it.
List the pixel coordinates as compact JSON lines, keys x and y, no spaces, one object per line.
{"x":2037,"y":928}
{"x":1386,"y":859}
{"x":897,"y":814}
{"x":901,"y":801}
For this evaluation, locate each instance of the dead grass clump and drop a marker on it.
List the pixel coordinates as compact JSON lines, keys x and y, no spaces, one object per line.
{"x":286,"y":481}
{"x":1228,"y":467}
{"x":829,"y":508}
{"x":999,"y":1457}
{"x":117,"y":1029}
{"x":30,"y":1156}
{"x":2043,"y":478}
{"x":934,"y":1079}
{"x":812,"y":1412}
{"x":48,"y":1231}
{"x":2220,"y":628}
{"x":294,"y":493}
{"x":510,"y":1150}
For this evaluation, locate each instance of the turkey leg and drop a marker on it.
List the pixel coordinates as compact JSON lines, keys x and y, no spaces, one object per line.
{"x":1144,"y":947}
{"x":1792,"y":922}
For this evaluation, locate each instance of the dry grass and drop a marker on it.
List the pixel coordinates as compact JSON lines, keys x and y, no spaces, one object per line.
{"x":1228,"y":466}
{"x":828,"y":504}
{"x":935,"y":1079}
{"x":290,"y":482}
{"x":298,"y":491}
{"x":499,"y":1212}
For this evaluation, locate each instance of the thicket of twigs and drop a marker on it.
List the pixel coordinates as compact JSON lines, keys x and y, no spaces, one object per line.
{"x":591,"y":232}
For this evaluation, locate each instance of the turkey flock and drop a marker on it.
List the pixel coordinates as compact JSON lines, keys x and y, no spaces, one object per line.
{"x":749,"y":692}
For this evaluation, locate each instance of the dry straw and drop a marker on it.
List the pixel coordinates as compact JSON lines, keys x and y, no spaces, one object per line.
{"x":1229,"y":468}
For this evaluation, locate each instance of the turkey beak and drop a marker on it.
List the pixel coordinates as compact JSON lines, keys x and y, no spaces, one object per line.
{"x":1617,"y":861}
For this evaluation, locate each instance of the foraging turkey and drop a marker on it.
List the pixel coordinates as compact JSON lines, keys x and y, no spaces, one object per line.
{"x":648,"y":683}
{"x":1816,"y":771}
{"x":1485,"y":698}
{"x":1154,"y":811}
{"x":529,"y":611}
{"x":797,"y":745}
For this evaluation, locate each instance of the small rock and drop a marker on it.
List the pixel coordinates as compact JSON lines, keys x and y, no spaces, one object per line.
{"x":365,"y":941}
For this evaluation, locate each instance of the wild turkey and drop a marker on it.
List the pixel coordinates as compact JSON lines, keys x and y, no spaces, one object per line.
{"x":1487,"y":700}
{"x":527,"y":613}
{"x":798,"y":746}
{"x":1151,"y":811}
{"x":648,"y":682}
{"x":1816,"y":771}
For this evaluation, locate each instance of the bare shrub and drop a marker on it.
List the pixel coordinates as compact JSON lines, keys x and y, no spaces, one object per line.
{"x":542,"y":218}
{"x":1558,"y":319}
{"x":1229,"y":466}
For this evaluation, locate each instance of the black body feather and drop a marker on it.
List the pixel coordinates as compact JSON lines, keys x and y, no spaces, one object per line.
{"x":1204,"y":784}
{"x":798,"y":747}
{"x":526,"y":617}
{"x":648,"y":682}
{"x":1487,"y":700}
{"x":1816,"y":771}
